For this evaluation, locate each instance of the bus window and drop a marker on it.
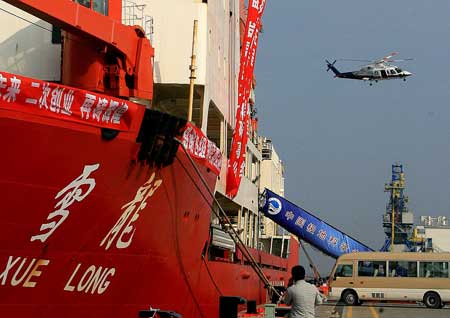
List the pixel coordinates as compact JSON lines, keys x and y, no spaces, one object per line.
{"x":433,"y":269}
{"x":372,"y":268}
{"x":402,"y":269}
{"x":344,"y":270}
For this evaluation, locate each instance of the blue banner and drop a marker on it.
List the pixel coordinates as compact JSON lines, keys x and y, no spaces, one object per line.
{"x":307,"y":227}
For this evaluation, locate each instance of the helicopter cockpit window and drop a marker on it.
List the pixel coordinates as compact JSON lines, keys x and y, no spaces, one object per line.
{"x":398,"y":70}
{"x":393,"y":72}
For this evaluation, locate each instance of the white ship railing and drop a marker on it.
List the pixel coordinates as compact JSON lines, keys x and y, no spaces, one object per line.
{"x":134,"y":14}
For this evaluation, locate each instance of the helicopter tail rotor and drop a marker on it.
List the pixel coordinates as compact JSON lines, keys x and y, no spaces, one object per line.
{"x":330,"y":65}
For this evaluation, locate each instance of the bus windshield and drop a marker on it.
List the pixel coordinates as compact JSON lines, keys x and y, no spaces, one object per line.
{"x":344,"y":270}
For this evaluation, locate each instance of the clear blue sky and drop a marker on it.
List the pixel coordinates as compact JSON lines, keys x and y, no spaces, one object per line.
{"x":338,"y":137}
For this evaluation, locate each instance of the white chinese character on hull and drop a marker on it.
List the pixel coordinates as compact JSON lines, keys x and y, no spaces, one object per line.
{"x":71,"y":193}
{"x":124,"y":226}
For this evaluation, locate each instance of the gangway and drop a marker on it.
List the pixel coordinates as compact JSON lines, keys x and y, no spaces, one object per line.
{"x":326,"y":238}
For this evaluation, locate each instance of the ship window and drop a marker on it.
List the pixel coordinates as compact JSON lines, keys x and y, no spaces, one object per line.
{"x":84,"y":3}
{"x":56,"y":35}
{"x":100,"y":6}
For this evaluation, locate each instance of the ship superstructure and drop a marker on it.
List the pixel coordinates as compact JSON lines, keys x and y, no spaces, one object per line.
{"x":111,"y":199}
{"x":274,"y":238}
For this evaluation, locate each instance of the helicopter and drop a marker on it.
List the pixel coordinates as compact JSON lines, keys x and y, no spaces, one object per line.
{"x":377,"y":70}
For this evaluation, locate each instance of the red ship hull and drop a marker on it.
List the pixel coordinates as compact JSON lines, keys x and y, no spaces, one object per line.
{"x":131,"y":236}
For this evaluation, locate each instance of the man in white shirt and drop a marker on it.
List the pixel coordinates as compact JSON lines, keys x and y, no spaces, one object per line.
{"x":302,"y":296}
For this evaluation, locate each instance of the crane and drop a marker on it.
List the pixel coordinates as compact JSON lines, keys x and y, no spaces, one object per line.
{"x":99,"y":52}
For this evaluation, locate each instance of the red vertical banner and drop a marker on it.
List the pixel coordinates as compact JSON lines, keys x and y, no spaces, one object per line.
{"x":236,"y":163}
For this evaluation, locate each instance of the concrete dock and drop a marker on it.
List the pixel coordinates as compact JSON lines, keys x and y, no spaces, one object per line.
{"x":373,"y":310}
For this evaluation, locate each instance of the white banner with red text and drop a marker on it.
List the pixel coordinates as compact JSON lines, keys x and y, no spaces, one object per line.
{"x":236,"y":164}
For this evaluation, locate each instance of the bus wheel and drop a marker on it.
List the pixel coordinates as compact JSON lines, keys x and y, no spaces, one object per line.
{"x":432,"y":300}
{"x":350,"y":298}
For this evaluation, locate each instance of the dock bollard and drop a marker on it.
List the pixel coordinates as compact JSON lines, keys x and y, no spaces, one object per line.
{"x":251,"y":307}
{"x":228,"y":306}
{"x":269,"y":310}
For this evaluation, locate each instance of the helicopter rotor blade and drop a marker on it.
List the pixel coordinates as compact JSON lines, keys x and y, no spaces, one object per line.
{"x":389,"y":56}
{"x":401,"y":60}
{"x":355,"y":60}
